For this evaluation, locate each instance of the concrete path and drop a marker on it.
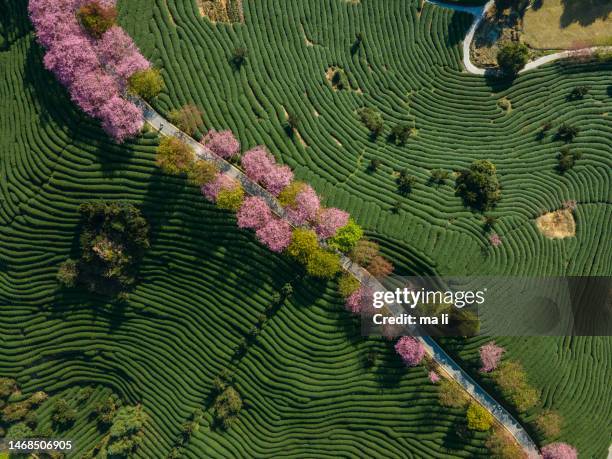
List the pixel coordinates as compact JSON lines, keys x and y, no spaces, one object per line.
{"x":433,"y":349}
{"x":479,"y":12}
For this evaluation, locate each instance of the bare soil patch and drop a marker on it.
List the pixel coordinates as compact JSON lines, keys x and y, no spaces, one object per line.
{"x":558,"y":224}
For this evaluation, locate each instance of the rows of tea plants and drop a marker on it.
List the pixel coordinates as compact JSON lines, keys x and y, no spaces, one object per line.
{"x":303,"y":379}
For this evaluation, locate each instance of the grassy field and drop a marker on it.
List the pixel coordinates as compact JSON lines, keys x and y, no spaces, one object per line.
{"x":557,"y":24}
{"x":303,"y":380}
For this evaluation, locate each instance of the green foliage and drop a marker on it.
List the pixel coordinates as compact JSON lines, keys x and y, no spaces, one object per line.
{"x":512,"y":380}
{"x":347,"y":284}
{"x":125,"y":434}
{"x":579,"y":92}
{"x":7,"y":387}
{"x":201,"y":172}
{"x":96,"y":18}
{"x":63,"y":415}
{"x":374,"y":165}
{"x":323,"y":264}
{"x":479,"y":186}
{"x":567,"y":132}
{"x":239,"y":57}
{"x":146,"y":83}
{"x":227,"y":406}
{"x":289,"y":193}
{"x":502,"y":445}
{"x":339,"y":80}
{"x":512,"y":57}
{"x":175,"y":157}
{"x":106,"y":409}
{"x":230,"y":199}
{"x":478,"y":418}
{"x":113,"y":238}
{"x":439,"y":176}
{"x":304,"y":244}
{"x":346,"y":237}
{"x":19,"y":431}
{"x":400,"y":133}
{"x":405,"y":182}
{"x":451,"y":394}
{"x":364,"y":251}
{"x":188,"y":118}
{"x":567,"y":159}
{"x":68,"y":273}
{"x":372,"y":119}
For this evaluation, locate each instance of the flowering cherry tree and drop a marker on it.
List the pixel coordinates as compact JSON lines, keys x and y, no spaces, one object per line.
{"x":221,"y":182}
{"x":410,"y":350}
{"x":495,"y":240}
{"x":277,"y":178}
{"x":121,"y":118}
{"x":119,"y":54}
{"x":305,"y":207}
{"x":276,"y":234}
{"x":257,"y":163}
{"x":354,"y":301}
{"x":254,"y":213}
{"x":222,"y":143}
{"x":559,"y":451}
{"x":329,"y":221}
{"x":490,"y":355}
{"x":433,"y":377}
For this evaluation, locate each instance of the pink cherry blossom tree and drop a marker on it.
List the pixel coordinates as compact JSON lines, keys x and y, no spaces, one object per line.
{"x":559,"y":451}
{"x":495,"y":240}
{"x":221,"y":143}
{"x":121,"y":118}
{"x":277,"y":178}
{"x":257,"y":163}
{"x":329,"y":221}
{"x":433,"y":377}
{"x":305,"y":207}
{"x":490,"y":355}
{"x":221,"y":182}
{"x":354,"y":302}
{"x":410,"y":350}
{"x":254,"y":213}
{"x":276,"y":234}
{"x":119,"y":54}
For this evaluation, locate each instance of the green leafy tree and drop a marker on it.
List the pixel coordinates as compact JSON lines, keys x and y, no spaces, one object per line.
{"x":479,"y":185}
{"x":227,"y":406}
{"x":201,"y":172}
{"x":126,"y":431}
{"x":63,"y":415}
{"x":372,"y":119}
{"x":146,"y":83}
{"x":566,"y":159}
{"x":478,"y":418}
{"x":303,"y":245}
{"x":405,"y":182}
{"x":239,"y":57}
{"x":438,"y":176}
{"x":323,"y":264}
{"x":567,"y":132}
{"x":512,"y":380}
{"x":400,"y":133}
{"x":96,"y":18}
{"x":19,"y":431}
{"x":451,"y":394}
{"x":68,"y":273}
{"x":105,"y":409}
{"x":347,"y":284}
{"x":512,"y":57}
{"x":230,"y":199}
{"x":188,"y":118}
{"x":174,"y":156}
{"x":346,"y":237}
{"x":289,"y":194}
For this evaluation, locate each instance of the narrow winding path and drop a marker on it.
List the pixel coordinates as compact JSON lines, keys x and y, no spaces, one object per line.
{"x":433,"y":349}
{"x":479,"y":13}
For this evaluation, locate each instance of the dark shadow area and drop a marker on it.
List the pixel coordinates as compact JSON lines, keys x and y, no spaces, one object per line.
{"x":457,"y":28}
{"x":584,"y":12}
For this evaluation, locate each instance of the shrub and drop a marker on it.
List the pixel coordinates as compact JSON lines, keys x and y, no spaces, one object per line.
{"x":512,"y":57}
{"x":490,"y":355}
{"x":254,"y":213}
{"x":559,"y":451}
{"x":7,"y":387}
{"x":227,"y":406}
{"x":113,"y":239}
{"x":188,"y":118}
{"x":374,"y":165}
{"x":288,"y":196}
{"x":348,"y":284}
{"x":380,"y":267}
{"x":346,"y":237}
{"x":567,"y":132}
{"x":549,"y":424}
{"x":67,"y":273}
{"x":96,"y":18}
{"x":400,"y":133}
{"x":239,"y":57}
{"x":230,"y":198}
{"x":438,"y":176}
{"x":63,"y":415}
{"x":175,"y":157}
{"x":329,"y":221}
{"x":276,"y":235}
{"x":303,"y":244}
{"x":125,"y":434}
{"x":579,"y":92}
{"x":502,"y":445}
{"x":339,"y":80}
{"x":566,"y":159}
{"x":201,"y":172}
{"x":19,"y":431}
{"x":512,"y":380}
{"x":372,"y":119}
{"x":405,"y":182}
{"x":364,"y":251}
{"x":146,"y":83}
{"x":323,"y":264}
{"x":451,"y":394}
{"x":478,"y":418}
{"x":293,"y":121}
{"x":222,"y":143}
{"x":105,"y":409}
{"x":410,"y":349}
{"x":479,"y":186}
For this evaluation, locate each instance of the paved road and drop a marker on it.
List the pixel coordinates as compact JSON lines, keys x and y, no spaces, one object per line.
{"x":479,"y":13}
{"x":433,"y":349}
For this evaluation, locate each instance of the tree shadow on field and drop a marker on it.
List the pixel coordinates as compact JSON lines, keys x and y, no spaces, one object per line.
{"x":457,"y":28}
{"x":584,"y":12}
{"x":390,"y":369}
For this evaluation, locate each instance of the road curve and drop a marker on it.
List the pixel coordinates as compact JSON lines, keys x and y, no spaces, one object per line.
{"x":479,"y":13}
{"x":433,"y":349}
